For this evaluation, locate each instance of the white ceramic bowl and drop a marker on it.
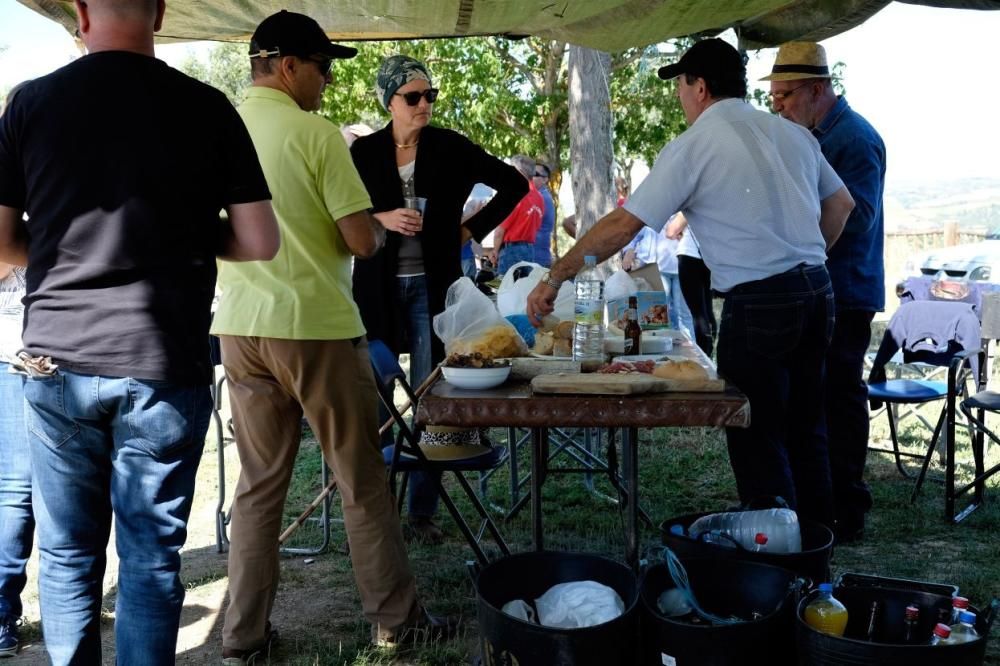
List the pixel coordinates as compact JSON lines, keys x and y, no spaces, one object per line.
{"x":476,"y":378}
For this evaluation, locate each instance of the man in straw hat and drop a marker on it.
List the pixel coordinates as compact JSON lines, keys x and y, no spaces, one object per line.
{"x":765,"y":206}
{"x":802,"y":91}
{"x":293,"y":344}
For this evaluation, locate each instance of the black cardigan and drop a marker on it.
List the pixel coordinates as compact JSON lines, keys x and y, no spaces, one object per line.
{"x":447,"y":167}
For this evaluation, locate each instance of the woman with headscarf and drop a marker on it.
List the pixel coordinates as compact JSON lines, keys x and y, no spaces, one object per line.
{"x":402,"y":288}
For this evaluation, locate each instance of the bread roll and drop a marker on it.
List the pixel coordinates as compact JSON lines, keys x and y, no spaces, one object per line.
{"x":543,"y":343}
{"x":562,"y":347}
{"x":685,"y":369}
{"x":564,"y":330}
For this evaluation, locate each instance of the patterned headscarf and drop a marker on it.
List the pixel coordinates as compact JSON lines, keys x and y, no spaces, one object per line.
{"x":394,"y":73}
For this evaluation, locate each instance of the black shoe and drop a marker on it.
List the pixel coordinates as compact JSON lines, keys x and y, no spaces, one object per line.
{"x":423,"y":530}
{"x":428,"y":629}
{"x":10,"y":635}
{"x":257,"y":656}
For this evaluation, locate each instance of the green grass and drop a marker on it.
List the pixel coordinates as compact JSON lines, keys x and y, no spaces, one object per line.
{"x":681,"y":471}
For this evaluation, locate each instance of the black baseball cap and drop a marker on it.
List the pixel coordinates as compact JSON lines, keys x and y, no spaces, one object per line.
{"x":288,"y":33}
{"x":709,"y":59}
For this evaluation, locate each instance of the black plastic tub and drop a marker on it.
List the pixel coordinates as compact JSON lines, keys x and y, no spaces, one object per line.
{"x":888,"y":649}
{"x":722,"y":586}
{"x":813,"y":562}
{"x":507,"y":641}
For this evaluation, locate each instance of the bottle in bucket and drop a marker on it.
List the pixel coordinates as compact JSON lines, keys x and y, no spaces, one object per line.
{"x":760,"y":542}
{"x":873,"y":622}
{"x":965,"y":630}
{"x":780,"y":525}
{"x":958,"y":604}
{"x":911,"y":619}
{"x":825,"y":614}
{"x":942,"y":635}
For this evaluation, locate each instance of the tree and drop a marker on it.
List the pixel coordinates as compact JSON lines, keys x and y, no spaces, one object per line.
{"x":228,"y":69}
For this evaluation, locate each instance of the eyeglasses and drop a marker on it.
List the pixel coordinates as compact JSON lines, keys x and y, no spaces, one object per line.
{"x":324,"y":64}
{"x":413,"y":97}
{"x":541,"y":174}
{"x":782,"y":96}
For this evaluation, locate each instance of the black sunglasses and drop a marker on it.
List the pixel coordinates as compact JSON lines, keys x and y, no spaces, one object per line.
{"x":413,"y":98}
{"x":324,"y":64}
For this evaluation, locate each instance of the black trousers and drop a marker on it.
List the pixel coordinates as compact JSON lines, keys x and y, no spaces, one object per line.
{"x":696,"y":285}
{"x":847,"y":422}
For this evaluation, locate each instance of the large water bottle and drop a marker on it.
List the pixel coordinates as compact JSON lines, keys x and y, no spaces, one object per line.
{"x":781,"y":526}
{"x":965,"y":630}
{"x":588,"y":334}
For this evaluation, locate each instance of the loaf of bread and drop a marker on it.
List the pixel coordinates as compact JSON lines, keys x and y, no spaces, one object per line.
{"x":684,"y":369}
{"x":543,"y":343}
{"x":564,"y":330}
{"x":562,"y":347}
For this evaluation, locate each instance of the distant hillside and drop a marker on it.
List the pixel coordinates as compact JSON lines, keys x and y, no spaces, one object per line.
{"x":972,"y":202}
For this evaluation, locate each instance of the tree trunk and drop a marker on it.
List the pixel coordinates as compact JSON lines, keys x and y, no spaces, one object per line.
{"x":590,"y":149}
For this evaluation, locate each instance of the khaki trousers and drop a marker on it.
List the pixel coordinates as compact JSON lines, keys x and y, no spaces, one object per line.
{"x":272,"y":383}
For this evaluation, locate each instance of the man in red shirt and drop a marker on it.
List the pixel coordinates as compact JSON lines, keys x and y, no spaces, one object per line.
{"x":514,"y":239}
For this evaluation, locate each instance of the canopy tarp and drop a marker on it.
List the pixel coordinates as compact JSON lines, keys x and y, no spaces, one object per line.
{"x":608,"y":25}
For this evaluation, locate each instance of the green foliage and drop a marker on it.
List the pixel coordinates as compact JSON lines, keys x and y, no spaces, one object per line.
{"x":509,"y":96}
{"x":227,"y":69}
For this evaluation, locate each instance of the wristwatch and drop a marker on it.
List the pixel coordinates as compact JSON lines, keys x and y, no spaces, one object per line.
{"x":551,"y":281}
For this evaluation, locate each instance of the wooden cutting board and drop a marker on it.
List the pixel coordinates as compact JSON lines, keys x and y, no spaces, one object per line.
{"x":620,"y":384}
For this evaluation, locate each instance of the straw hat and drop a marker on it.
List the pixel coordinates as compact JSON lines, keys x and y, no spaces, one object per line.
{"x":799,"y":60}
{"x":446,"y":443}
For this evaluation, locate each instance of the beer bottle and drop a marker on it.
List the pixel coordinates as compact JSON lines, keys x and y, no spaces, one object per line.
{"x":633,"y":333}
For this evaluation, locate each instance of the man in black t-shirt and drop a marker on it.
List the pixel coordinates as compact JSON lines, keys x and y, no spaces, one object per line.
{"x":122,"y":166}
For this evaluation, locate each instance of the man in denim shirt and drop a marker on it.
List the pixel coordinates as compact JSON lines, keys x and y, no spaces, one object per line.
{"x":802,"y":91}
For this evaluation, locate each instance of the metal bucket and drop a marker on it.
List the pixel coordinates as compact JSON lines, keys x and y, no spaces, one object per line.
{"x":724,"y":587}
{"x":508,"y":641}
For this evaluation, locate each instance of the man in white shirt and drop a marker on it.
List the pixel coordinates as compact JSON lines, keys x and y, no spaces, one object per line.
{"x":765,"y":206}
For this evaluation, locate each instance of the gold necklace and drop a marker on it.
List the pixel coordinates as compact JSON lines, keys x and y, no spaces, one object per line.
{"x":404,"y":146}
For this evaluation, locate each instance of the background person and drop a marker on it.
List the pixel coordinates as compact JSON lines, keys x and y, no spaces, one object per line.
{"x":767,"y":254}
{"x":514,"y":239}
{"x":17,"y":520}
{"x":122,"y":194}
{"x":402,"y":286}
{"x":802,"y":91}
{"x":543,"y":241}
{"x":696,"y":283}
{"x":652,"y":247}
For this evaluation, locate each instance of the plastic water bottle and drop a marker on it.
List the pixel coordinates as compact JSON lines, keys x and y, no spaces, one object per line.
{"x":588,"y":334}
{"x":965,"y":630}
{"x":958,"y":605}
{"x":942,"y":635}
{"x":825,"y":613}
{"x":780,"y":525}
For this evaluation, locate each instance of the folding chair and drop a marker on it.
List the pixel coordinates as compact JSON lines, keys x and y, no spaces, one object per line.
{"x":407,"y":456}
{"x":936,"y":333}
{"x":975,"y":408}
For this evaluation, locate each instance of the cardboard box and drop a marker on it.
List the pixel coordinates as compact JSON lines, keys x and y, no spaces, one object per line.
{"x":652,"y":311}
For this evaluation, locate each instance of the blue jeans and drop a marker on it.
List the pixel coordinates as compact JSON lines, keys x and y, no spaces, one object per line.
{"x":512,"y":253}
{"x":411,"y":296}
{"x":17,"y":522}
{"x":469,"y":269}
{"x":772,"y":345}
{"x":680,"y":314}
{"x":122,"y":447}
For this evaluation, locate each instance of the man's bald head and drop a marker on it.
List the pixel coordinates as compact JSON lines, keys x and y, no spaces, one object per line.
{"x":121,"y":25}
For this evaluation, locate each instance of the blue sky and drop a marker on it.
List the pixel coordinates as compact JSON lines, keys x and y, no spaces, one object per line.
{"x":925,"y":78}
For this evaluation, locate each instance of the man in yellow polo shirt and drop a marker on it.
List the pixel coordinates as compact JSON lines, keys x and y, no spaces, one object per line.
{"x":293,"y":344}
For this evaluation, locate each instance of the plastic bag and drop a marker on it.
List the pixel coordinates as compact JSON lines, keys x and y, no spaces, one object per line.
{"x":583,"y":603}
{"x":520,"y":609}
{"x":470,"y":323}
{"x":620,"y":285}
{"x":512,"y":296}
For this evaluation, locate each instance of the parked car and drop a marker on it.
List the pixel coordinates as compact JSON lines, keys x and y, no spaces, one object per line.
{"x":976,"y":262}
